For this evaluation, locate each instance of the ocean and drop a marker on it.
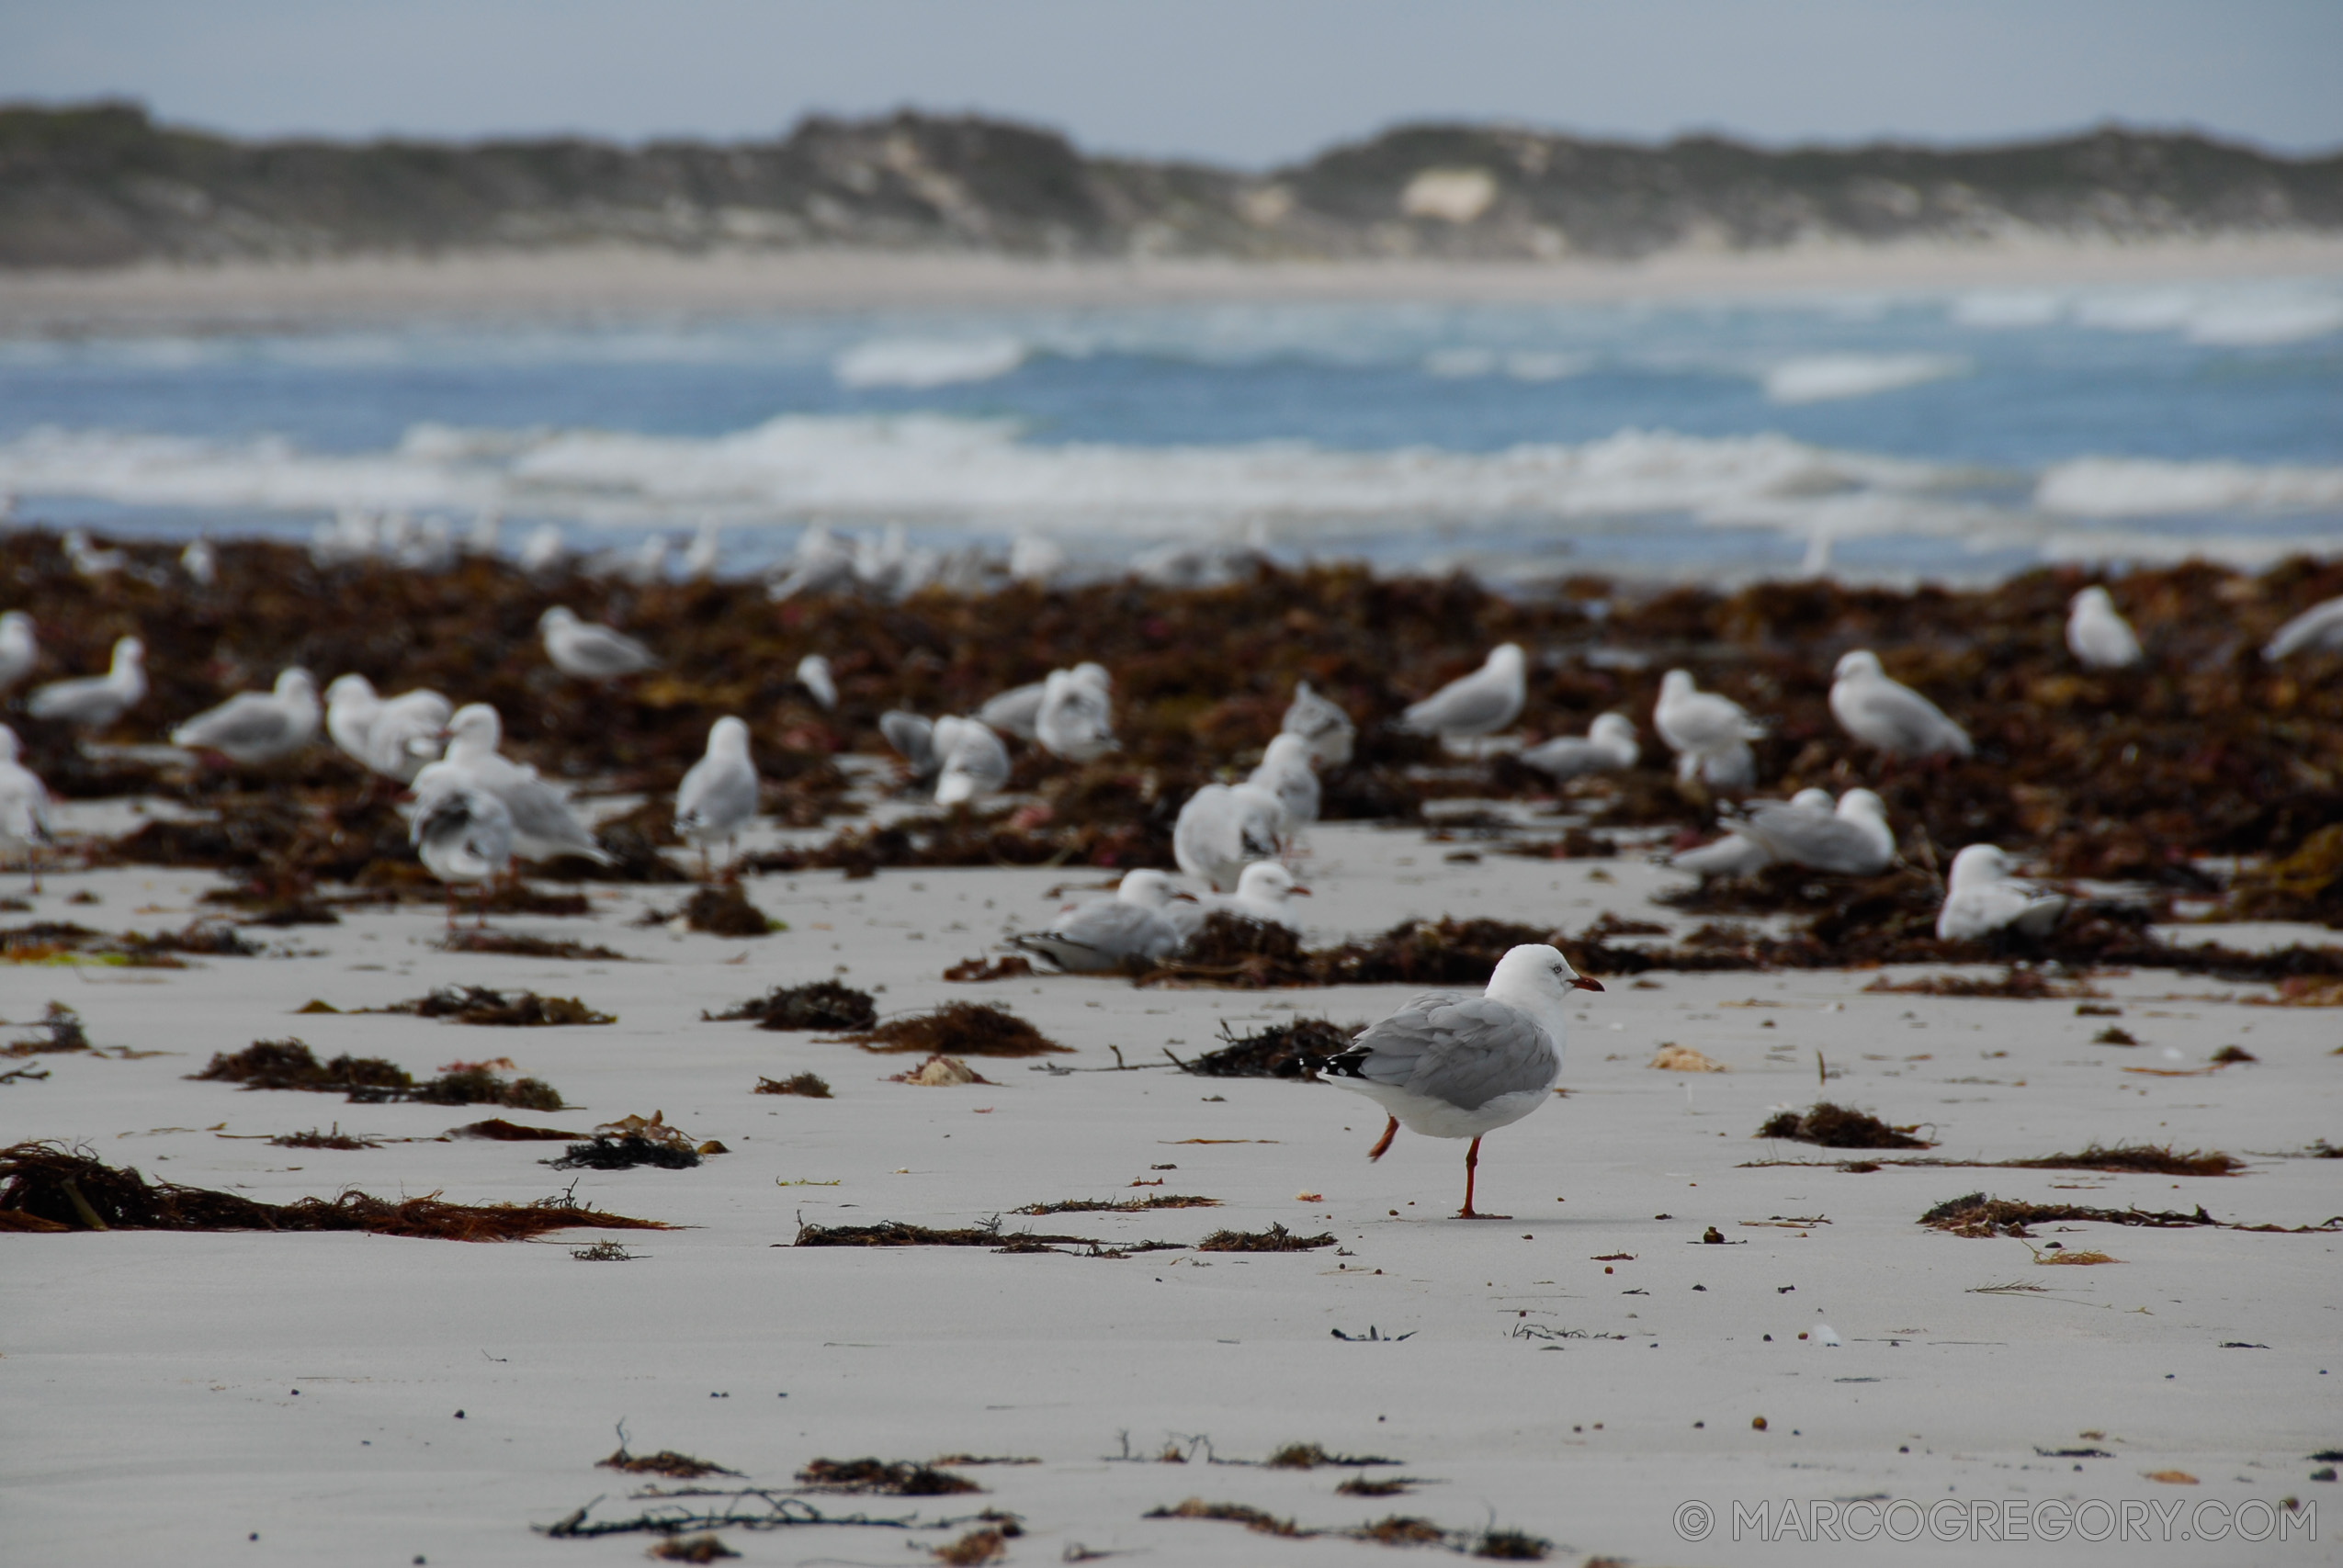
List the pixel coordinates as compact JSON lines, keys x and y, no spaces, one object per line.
{"x":1955,"y":436}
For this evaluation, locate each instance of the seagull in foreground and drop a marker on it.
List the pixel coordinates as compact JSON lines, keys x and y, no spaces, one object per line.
{"x":2097,"y":632}
{"x":252,"y":728}
{"x":1450,"y":1066}
{"x":543,"y":826}
{"x":18,"y":649}
{"x":93,"y":702}
{"x":1076,"y":720}
{"x":1883,"y":713}
{"x":1981,"y":897}
{"x":463,"y":834}
{"x":1286,"y":772}
{"x":1263,"y":888}
{"x":1321,"y":724}
{"x":588,"y":650}
{"x":1223,"y":829}
{"x":1854,"y":840}
{"x":1480,"y":704}
{"x":970,"y":761}
{"x":718,"y":797}
{"x":1737,"y":854}
{"x":2320,"y":626}
{"x":813,"y":675}
{"x":1709,"y":733}
{"x":1610,"y":746}
{"x":1099,"y":933}
{"x":24,"y":806}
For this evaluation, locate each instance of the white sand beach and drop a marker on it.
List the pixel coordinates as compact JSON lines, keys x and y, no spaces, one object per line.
{"x":252,"y":1399}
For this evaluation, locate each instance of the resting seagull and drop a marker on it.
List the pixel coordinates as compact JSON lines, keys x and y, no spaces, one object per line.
{"x":543,"y":827}
{"x":93,"y":702}
{"x":1981,"y":899}
{"x":913,"y":738}
{"x":1321,"y":724}
{"x":2098,"y":634}
{"x":1222,"y":829}
{"x":1286,"y":772}
{"x":1736,"y":853}
{"x":1609,"y":746}
{"x":394,"y":737}
{"x":1449,"y":1066}
{"x":463,"y":834}
{"x":2320,"y":626}
{"x":1099,"y":934}
{"x":252,"y":728}
{"x":1076,"y":720}
{"x":970,"y":761}
{"x":588,"y":650}
{"x":1480,"y":704}
{"x":1883,"y":713}
{"x":1853,"y":841}
{"x":18,"y":652}
{"x":718,"y":797}
{"x":1263,"y":888}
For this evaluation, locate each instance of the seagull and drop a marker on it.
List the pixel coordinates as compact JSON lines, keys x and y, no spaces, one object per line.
{"x":1099,"y":933}
{"x":1853,"y":841}
{"x":1737,"y":854}
{"x":701,"y":555}
{"x":486,"y":531}
{"x":1610,"y":746}
{"x":462,"y":833}
{"x":1286,"y":772}
{"x":813,"y":675}
{"x":1450,"y":1066}
{"x":19,"y":650}
{"x":93,"y":702}
{"x":1222,"y":829}
{"x":1710,"y":734}
{"x":543,"y":826}
{"x":970,"y":760}
{"x":200,"y":561}
{"x":823,"y":562}
{"x":24,"y":806}
{"x":1321,"y":724}
{"x":394,"y":737}
{"x":1981,"y":897}
{"x":1884,"y":713}
{"x":88,"y":558}
{"x":913,"y":738}
{"x":1034,"y":558}
{"x":2098,"y":634}
{"x":2320,"y":626}
{"x":252,"y":729}
{"x":1077,"y":719}
{"x":718,"y":797}
{"x":1016,"y":710}
{"x":1480,"y":704}
{"x":543,"y":550}
{"x":1263,"y":888}
{"x":588,"y":650}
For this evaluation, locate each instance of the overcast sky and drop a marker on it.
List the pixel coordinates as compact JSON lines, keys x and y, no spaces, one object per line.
{"x":1247,"y":82}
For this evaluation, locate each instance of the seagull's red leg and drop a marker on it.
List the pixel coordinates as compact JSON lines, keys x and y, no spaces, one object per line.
{"x":1382,"y":1143}
{"x":451,"y":906}
{"x":1472,"y":1164}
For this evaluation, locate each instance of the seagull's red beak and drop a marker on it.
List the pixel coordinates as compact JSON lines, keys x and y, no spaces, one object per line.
{"x":1303,"y":891}
{"x":1583,"y":984}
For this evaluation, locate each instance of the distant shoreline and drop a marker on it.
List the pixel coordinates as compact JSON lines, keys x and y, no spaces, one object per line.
{"x":618,"y":283}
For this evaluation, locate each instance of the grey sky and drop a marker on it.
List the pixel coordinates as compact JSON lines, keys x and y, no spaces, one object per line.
{"x":1250,"y":82}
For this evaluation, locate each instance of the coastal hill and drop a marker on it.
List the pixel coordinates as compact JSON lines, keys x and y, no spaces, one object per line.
{"x":102,"y":186}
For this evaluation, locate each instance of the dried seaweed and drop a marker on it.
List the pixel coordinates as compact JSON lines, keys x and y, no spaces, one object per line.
{"x":500,"y":1131}
{"x":1255,"y":1519}
{"x":666,"y":1463}
{"x":960,"y":1029}
{"x":987,"y":1543}
{"x":1277,"y":1239}
{"x":899,"y":1478}
{"x":691,"y":1549}
{"x":2015,"y":984}
{"x":70,"y":1187}
{"x":625,"y":1151}
{"x":506,"y":1010}
{"x":894,"y":1232}
{"x":1838,"y":1127}
{"x":824,"y":1004}
{"x":2145,"y":1158}
{"x":1118,"y":1205}
{"x":515,"y":945}
{"x":1978,"y":1215}
{"x":2304,"y":886}
{"x":56,"y":1031}
{"x":289,"y":1065}
{"x":335,"y":1139}
{"x":722,"y":910}
{"x":1276,"y":1052}
{"x":977,"y":971}
{"x":1310,"y":1456}
{"x":809,"y":1084}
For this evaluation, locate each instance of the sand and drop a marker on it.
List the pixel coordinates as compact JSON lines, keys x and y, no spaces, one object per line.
{"x":636,"y":284}
{"x":450,"y":1396}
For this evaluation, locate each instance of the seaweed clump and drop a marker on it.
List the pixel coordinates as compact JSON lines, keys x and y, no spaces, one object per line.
{"x":813,"y":1085}
{"x":901,"y":1478}
{"x":1278,"y":1051}
{"x":503,"y":1009}
{"x":824,"y":1004}
{"x":2304,"y":886}
{"x":61,"y":1028}
{"x":69,"y":1190}
{"x":965,"y":1029}
{"x":1840,"y":1127}
{"x":290,"y":1065}
{"x":722,"y":910}
{"x":632,"y":1141}
{"x":1277,"y":1239}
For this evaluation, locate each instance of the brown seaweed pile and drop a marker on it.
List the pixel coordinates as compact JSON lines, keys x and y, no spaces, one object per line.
{"x":502,"y":1010}
{"x":2304,"y":886}
{"x":959,"y":1028}
{"x":1277,"y":1239}
{"x":1118,"y":1205}
{"x":1838,"y":1127}
{"x":1978,"y":1215}
{"x":721,"y":910}
{"x":515,"y":945}
{"x":289,"y":1064}
{"x":824,"y":1004}
{"x":899,"y":1478}
{"x":69,"y":1190}
{"x":666,"y":1463}
{"x":1276,"y":1052}
{"x":57,"y":1030}
{"x":813,"y":1085}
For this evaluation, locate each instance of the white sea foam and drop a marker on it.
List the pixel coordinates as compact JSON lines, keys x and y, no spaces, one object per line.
{"x":1827,"y":376}
{"x":927,"y":362}
{"x":2001,"y":310}
{"x":2275,"y":320}
{"x":1522,"y":365}
{"x":2145,"y":487}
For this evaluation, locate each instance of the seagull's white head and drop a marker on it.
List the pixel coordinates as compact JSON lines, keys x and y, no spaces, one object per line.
{"x":1859,"y":663}
{"x":1612,"y":729}
{"x":728,"y":736}
{"x":1863,"y":803}
{"x":1676,"y":685}
{"x":2092,"y":598}
{"x":1979,"y":865}
{"x":1148,"y":888}
{"x":1285,"y":753}
{"x":474,"y":729}
{"x":8,"y":744}
{"x":1538,"y":980}
{"x":350,"y":689}
{"x":1507,"y":658}
{"x":560,"y":617}
{"x":1094,"y":675}
{"x":129,"y":653}
{"x":296,"y":683}
{"x":1813,"y":800}
{"x":1267,"y":882}
{"x":16,"y":625}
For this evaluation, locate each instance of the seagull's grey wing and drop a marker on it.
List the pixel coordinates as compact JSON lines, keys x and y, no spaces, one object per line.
{"x":1115,"y":928}
{"x":542,"y":815}
{"x":717,"y":796}
{"x":980,"y":754}
{"x":1465,"y":1051}
{"x":246,"y":722}
{"x":1015,"y":710}
{"x":73,"y":700}
{"x":1894,"y":717}
{"x":1477,"y":701}
{"x":613,"y":651}
{"x":912,"y":736}
{"x":2321,"y":626}
{"x":1809,"y":838}
{"x":1570,"y":757}
{"x":1732,"y":855}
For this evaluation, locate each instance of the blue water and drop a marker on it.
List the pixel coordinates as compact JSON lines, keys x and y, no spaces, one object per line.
{"x":1946,"y":434}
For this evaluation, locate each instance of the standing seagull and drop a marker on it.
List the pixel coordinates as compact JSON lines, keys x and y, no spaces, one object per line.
{"x":2098,"y":634}
{"x":543,"y":827}
{"x":1077,"y":717}
{"x":463,"y":834}
{"x":2320,"y":626}
{"x":252,"y":729}
{"x":1610,"y":746}
{"x":1981,"y":899}
{"x":588,"y":650}
{"x":1323,"y":726}
{"x":93,"y":702}
{"x":24,"y":806}
{"x":813,"y":675}
{"x":1449,"y":1066}
{"x":1710,"y":734}
{"x":1480,"y":704}
{"x":718,"y":797}
{"x":1286,"y":772}
{"x":1883,"y":712}
{"x":1221,"y":831}
{"x":18,"y":652}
